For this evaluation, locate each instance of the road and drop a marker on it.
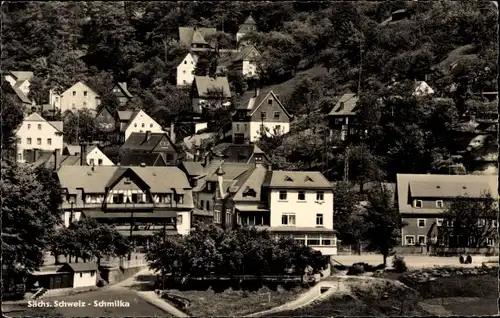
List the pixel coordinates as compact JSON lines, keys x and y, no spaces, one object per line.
{"x":413,"y":261}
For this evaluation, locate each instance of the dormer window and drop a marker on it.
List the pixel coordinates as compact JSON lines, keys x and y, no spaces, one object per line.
{"x":287,"y":178}
{"x":439,"y":204}
{"x":180,"y":198}
{"x":417,"y":204}
{"x":270,"y":101}
{"x":308,"y":179}
{"x":249,"y":193}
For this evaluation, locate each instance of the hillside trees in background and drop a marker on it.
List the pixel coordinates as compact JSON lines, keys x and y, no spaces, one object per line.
{"x":12,"y":117}
{"x":81,"y":127}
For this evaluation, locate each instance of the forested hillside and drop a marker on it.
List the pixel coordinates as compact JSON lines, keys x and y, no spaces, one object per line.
{"x":356,"y":42}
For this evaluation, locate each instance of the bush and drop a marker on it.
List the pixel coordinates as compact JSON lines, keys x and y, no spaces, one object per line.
{"x":399,"y":264}
{"x":355,"y":269}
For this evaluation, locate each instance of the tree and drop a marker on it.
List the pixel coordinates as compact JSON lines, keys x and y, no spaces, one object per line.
{"x":27,"y":218}
{"x":81,"y":126}
{"x":364,"y":166}
{"x":383,"y":221}
{"x":12,"y":117}
{"x":39,"y":91}
{"x":470,"y":222}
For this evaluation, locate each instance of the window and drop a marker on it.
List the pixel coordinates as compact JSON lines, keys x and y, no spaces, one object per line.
{"x":28,"y":141}
{"x":92,"y":273}
{"x":301,"y":195}
{"x":278,"y":127}
{"x":421,"y":239}
{"x":490,"y":241}
{"x":245,"y":127}
{"x":81,"y":275}
{"x":180,"y":199}
{"x":449,"y":223}
{"x":209,"y":186}
{"x":142,"y":125}
{"x":39,"y":141}
{"x":288,"y":219}
{"x":185,"y":62}
{"x":410,"y":240}
{"x":439,"y":204}
{"x":39,"y":126}
{"x":183,"y":72}
{"x":208,"y":205}
{"x":202,"y":203}
{"x":282,"y":195}
{"x":313,"y":240}
{"x":439,"y":222}
{"x":99,"y":161}
{"x":276,"y":115}
{"x":319,"y":219}
{"x":421,"y":222}
{"x":481,"y":222}
{"x":118,"y":198}
{"x":179,"y":219}
{"x":494,"y":223}
{"x":29,"y":126}
{"x":127,"y":180}
{"x":263,"y":115}
{"x":135,"y":198}
{"x":91,"y":162}
{"x":18,"y":140}
{"x":237,"y":127}
{"x":320,"y":196}
{"x":270,"y":101}
{"x":84,"y":93}
{"x":417,"y":204}
{"x":74,"y":93}
{"x":49,"y":141}
{"x":150,"y":125}
{"x":19,"y":156}
{"x":228,"y":217}
{"x":135,"y":125}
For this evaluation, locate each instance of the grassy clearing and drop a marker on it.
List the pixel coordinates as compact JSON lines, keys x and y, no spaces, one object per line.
{"x":235,"y":302}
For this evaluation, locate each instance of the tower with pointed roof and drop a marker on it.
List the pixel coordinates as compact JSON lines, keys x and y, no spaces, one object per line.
{"x":248,"y":26}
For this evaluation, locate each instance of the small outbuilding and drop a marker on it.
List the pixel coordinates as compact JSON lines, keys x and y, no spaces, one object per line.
{"x":84,"y":274}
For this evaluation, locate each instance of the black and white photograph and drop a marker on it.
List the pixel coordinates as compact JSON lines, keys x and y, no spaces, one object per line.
{"x":249,"y":158}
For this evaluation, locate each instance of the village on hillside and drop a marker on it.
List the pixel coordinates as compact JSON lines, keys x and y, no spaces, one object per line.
{"x":275,"y":146}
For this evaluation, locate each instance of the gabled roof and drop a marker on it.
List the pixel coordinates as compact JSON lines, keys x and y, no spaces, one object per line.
{"x":246,"y":26}
{"x":243,"y":54}
{"x":193,"y":168}
{"x":145,"y":141}
{"x":58,"y":125}
{"x":297,"y":180}
{"x":136,"y":159}
{"x":189,"y":35}
{"x":123,"y":88}
{"x":73,"y":150}
{"x":346,"y":105}
{"x":94,"y":180}
{"x":236,"y":152}
{"x":24,"y":99}
{"x":205,"y":84}
{"x":125,"y":115}
{"x":422,"y":185}
{"x":83,"y":83}
{"x":252,"y":103}
{"x":254,"y":182}
{"x":22,"y":75}
{"x":34,"y":117}
{"x":232,"y":170}
{"x":80,"y":267}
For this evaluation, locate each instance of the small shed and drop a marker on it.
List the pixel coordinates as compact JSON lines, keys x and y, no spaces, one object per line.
{"x":50,"y":279}
{"x":84,"y":274}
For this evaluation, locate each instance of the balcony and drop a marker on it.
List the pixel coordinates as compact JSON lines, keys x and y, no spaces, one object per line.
{"x":128,"y":206}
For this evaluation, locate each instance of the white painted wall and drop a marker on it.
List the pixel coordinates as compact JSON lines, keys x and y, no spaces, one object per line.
{"x":254,"y":129}
{"x":67,"y":215}
{"x":29,"y":129}
{"x":249,"y":68}
{"x":25,"y":87}
{"x":9,"y":78}
{"x":305,"y":211}
{"x":85,"y":279}
{"x":74,"y":98}
{"x":183,"y":222}
{"x":185,"y":71}
{"x":97,"y":155}
{"x":142,"y":123}
{"x":200,"y":126}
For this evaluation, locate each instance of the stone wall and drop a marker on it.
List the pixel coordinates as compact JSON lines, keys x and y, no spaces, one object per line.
{"x":117,"y":274}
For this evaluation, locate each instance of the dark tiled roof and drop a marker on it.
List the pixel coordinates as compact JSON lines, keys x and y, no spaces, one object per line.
{"x":297,"y":179}
{"x":124,"y":89}
{"x":235,"y":152}
{"x":205,"y":84}
{"x":254,"y":182}
{"x":349,"y":102}
{"x":193,"y":168}
{"x":22,"y":75}
{"x":246,"y":26}
{"x":136,"y":159}
{"x":125,"y":115}
{"x":141,"y":141}
{"x":250,"y":102}
{"x":244,"y":54}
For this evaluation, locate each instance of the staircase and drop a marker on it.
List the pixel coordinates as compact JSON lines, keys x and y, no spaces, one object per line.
{"x":39,"y":293}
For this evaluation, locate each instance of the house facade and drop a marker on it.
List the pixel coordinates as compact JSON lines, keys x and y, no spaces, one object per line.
{"x":296,"y":204}
{"x":140,"y":122}
{"x":184,"y":70}
{"x":248,"y":26}
{"x":106,"y":120}
{"x":84,"y":274}
{"x":422,"y":200}
{"x":246,"y":61}
{"x":343,"y":118}
{"x":20,"y":83}
{"x":262,"y":112}
{"x":209,"y":92}
{"x":121,"y":92}
{"x":152,"y":143}
{"x":77,"y":97}
{"x":89,"y":155}
{"x":141,"y":199}
{"x":37,"y":133}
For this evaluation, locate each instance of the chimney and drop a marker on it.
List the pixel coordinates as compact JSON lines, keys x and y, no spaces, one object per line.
{"x":172,"y":131}
{"x":56,"y":157}
{"x":205,"y":160}
{"x":148,"y":135}
{"x":257,"y":91}
{"x":220,"y":181}
{"x":82,"y":155}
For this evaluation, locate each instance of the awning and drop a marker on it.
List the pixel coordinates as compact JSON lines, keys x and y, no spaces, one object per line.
{"x":136,"y":215}
{"x":251,"y":208}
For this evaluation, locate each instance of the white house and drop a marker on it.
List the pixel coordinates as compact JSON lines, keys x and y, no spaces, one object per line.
{"x":93,"y":155}
{"x":422,"y":89}
{"x":246,"y":61}
{"x":78,"y":96}
{"x":20,"y":79}
{"x":37,"y":133}
{"x":301,"y":204}
{"x":141,"y":122}
{"x":248,"y":26}
{"x":259,"y":112}
{"x":185,"y":69}
{"x":84,"y":274}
